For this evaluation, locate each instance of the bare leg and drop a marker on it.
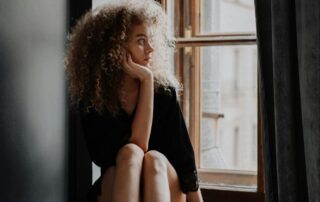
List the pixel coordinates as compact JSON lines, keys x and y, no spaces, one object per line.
{"x":107,"y":185}
{"x":156,"y":185}
{"x":176,"y":195}
{"x":127,"y":174}
{"x":160,"y":179}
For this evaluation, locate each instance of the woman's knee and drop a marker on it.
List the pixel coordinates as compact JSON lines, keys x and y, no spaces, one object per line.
{"x":130,"y":154}
{"x":154,"y":162}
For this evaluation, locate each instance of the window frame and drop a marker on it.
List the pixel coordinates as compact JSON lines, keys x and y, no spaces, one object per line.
{"x":195,"y":40}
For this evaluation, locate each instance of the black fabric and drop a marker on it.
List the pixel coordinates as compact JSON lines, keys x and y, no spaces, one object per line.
{"x":106,"y":134}
{"x":288,"y":34}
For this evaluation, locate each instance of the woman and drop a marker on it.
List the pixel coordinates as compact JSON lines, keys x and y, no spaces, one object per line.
{"x":134,"y":129}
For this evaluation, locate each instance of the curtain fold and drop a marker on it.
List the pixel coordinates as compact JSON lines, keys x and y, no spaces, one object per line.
{"x":288,"y":35}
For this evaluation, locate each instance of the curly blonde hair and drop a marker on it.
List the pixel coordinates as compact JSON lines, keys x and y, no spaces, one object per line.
{"x":94,"y":58}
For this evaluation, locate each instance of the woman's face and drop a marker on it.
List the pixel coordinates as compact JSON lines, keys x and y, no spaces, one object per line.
{"x":139,"y":44}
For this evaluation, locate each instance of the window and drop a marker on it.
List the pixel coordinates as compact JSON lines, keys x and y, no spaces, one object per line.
{"x":215,"y":59}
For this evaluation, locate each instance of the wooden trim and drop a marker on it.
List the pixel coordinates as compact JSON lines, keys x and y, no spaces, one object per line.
{"x":164,"y":4}
{"x":211,"y":115}
{"x":215,"y":41}
{"x":227,"y":34}
{"x":227,"y":178}
{"x":195,"y":107}
{"x":194,"y":17}
{"x":195,"y":85}
{"x":184,"y":79}
{"x":231,"y":196}
{"x":179,"y":18}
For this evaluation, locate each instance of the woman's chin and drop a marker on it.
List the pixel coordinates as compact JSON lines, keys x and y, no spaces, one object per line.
{"x":144,"y":63}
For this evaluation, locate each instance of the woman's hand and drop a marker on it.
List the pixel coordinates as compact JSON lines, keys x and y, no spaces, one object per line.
{"x":135,"y":70}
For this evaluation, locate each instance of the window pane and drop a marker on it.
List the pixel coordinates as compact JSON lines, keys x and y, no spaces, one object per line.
{"x":96,"y":3}
{"x":229,"y":110}
{"x":227,"y":16}
{"x":170,"y":17}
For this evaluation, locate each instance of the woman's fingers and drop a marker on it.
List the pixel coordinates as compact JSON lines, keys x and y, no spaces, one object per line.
{"x":129,"y":67}
{"x":135,"y":70}
{"x":130,"y":59}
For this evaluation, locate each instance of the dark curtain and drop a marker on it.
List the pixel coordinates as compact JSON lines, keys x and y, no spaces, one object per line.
{"x":288,"y":34}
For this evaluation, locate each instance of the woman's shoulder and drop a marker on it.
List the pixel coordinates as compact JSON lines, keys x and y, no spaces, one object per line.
{"x":167,"y":95}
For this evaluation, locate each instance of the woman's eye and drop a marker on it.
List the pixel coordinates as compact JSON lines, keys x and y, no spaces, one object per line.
{"x":141,"y":41}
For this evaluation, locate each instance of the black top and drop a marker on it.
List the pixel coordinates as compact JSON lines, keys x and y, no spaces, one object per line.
{"x":106,"y":134}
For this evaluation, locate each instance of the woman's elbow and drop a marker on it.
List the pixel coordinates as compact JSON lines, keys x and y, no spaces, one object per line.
{"x":140,"y":144}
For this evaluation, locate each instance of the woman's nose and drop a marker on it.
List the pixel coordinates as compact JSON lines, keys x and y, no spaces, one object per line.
{"x":149,"y":48}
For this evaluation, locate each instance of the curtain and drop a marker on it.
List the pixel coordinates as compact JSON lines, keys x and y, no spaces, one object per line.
{"x":288,"y":38}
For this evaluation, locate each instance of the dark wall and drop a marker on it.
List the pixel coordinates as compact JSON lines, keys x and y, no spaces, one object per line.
{"x":80,"y":168}
{"x":33,"y":140}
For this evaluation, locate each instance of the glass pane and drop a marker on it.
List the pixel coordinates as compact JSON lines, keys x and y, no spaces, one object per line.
{"x":229,"y":108}
{"x":228,"y":135}
{"x":170,"y":17}
{"x":227,"y":16}
{"x":96,"y":3}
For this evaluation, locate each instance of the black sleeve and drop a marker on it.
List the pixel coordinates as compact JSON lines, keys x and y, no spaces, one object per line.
{"x":181,"y":150}
{"x":104,"y":136}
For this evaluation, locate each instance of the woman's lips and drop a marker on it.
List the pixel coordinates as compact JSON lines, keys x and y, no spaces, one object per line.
{"x":147,"y":59}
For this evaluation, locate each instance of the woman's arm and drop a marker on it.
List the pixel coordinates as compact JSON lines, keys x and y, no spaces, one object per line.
{"x":142,"y":121}
{"x":194,"y":196}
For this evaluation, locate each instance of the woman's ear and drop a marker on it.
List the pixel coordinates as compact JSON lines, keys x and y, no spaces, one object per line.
{"x":125,"y":50}
{"x":128,"y":50}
